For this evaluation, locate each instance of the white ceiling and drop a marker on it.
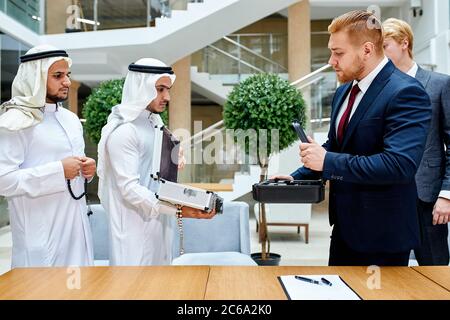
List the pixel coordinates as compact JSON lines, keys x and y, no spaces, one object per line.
{"x":329,"y":9}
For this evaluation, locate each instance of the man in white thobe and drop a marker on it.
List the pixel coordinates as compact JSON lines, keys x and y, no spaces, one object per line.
{"x":141,"y":226}
{"x":42,"y":150}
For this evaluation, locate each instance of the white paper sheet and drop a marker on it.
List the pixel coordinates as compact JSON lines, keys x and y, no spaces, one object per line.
{"x":301,"y":290}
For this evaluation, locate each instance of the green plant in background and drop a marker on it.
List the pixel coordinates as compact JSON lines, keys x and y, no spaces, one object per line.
{"x":98,"y":106}
{"x":265,"y":101}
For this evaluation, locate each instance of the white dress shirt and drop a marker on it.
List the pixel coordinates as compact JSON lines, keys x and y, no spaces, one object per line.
{"x":413,"y":71}
{"x":364,"y":85}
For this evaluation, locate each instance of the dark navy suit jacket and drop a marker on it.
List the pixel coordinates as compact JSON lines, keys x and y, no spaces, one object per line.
{"x":372,"y":189}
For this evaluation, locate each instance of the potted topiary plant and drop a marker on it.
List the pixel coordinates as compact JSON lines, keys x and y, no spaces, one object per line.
{"x":98,"y":107}
{"x":265,"y":101}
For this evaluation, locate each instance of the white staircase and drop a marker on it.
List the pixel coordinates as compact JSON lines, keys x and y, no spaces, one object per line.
{"x":212,"y":89}
{"x":106,"y":54}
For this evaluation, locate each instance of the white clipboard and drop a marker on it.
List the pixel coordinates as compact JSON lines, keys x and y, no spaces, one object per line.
{"x":296,"y":289}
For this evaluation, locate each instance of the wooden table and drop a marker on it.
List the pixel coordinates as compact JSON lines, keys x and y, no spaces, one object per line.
{"x":261,"y":283}
{"x":440,"y":275}
{"x":163,"y":283}
{"x":204,"y":282}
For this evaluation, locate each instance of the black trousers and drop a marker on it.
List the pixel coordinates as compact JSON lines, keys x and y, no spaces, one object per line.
{"x":342,"y":255}
{"x":434,"y":247}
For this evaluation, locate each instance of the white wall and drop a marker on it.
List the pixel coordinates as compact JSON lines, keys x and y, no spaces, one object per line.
{"x":431,"y":33}
{"x":393,"y":12}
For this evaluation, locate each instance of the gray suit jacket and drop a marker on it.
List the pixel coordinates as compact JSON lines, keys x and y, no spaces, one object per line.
{"x":433,"y":174}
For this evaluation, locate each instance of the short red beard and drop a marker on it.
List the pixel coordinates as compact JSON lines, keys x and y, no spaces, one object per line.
{"x":353,"y":74}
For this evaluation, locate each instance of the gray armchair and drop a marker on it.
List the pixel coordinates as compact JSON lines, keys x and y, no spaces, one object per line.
{"x":222,"y":240}
{"x":100,"y":234}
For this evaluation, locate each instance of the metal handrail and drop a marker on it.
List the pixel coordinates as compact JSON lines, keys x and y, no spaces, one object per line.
{"x":310,"y":83}
{"x":206,"y":134}
{"x":312,"y":74}
{"x":236,"y":59}
{"x":212,"y":134}
{"x":320,"y":120}
{"x":431,"y":66}
{"x":254,"y":53}
{"x":210,"y":128}
{"x":295,"y":83}
{"x":266,"y":34}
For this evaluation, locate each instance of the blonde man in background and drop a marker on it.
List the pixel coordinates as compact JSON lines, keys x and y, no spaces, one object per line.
{"x":433,"y":176}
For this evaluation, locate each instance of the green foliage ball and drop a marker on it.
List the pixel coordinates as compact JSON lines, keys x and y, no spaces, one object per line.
{"x":265,"y":101}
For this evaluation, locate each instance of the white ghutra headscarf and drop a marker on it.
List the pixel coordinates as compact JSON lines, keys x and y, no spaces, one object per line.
{"x":139,"y":91}
{"x":29,"y":88}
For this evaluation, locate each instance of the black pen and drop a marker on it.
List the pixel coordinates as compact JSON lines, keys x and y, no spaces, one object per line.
{"x":328,"y":283}
{"x":307,"y":280}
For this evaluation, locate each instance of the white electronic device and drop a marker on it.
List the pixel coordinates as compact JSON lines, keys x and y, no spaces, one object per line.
{"x":183,"y":195}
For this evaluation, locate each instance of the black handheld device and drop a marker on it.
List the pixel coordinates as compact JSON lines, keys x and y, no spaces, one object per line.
{"x":300,"y":132}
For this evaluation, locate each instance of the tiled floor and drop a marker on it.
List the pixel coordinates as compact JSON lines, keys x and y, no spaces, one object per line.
{"x":284,"y":241}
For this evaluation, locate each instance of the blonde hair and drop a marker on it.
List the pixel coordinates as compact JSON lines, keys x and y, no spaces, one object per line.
{"x":361,"y":26}
{"x":399,"y":30}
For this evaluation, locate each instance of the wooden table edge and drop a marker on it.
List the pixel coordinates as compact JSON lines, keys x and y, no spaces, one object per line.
{"x":415,"y":268}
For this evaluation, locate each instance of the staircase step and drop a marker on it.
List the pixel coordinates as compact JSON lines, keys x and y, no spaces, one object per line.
{"x":177,"y":13}
{"x":197,"y":5}
{"x":178,"y":16}
{"x":206,"y":4}
{"x":170,"y":40}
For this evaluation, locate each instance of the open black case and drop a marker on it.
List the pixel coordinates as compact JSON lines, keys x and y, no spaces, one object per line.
{"x":284,"y":191}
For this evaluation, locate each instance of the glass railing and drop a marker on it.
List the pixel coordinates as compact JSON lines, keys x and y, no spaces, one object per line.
{"x":93,"y":15}
{"x":26,"y":12}
{"x":273,"y":46}
{"x":231,"y":62}
{"x":213,"y":157}
{"x":163,"y":8}
{"x":222,"y":65}
{"x":428,"y":66}
{"x":318,"y":89}
{"x":10,"y":52}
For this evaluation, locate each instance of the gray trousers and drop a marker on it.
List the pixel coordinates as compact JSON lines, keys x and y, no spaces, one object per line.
{"x":434,"y":247}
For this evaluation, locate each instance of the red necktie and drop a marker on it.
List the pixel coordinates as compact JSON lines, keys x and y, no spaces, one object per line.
{"x":346,"y":116}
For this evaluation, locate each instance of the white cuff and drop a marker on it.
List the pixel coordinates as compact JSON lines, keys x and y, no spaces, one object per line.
{"x":444,"y":194}
{"x":164,"y":208}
